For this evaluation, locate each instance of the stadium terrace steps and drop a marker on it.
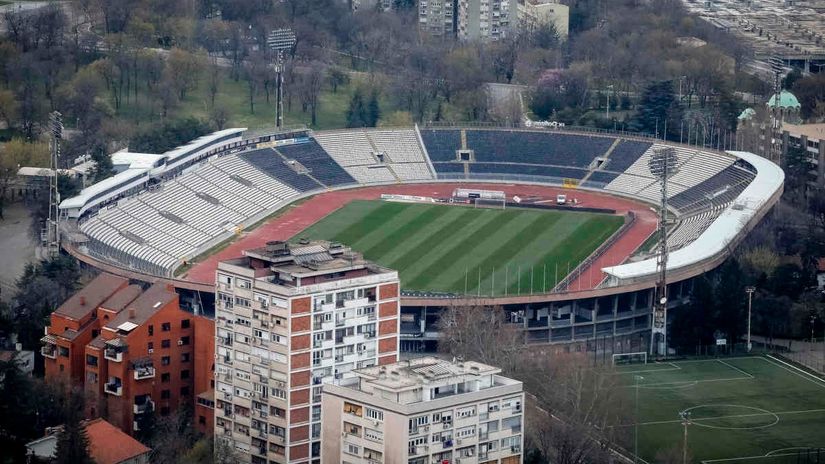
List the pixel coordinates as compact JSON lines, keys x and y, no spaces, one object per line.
{"x":273,"y":164}
{"x":356,"y":152}
{"x":320,"y":165}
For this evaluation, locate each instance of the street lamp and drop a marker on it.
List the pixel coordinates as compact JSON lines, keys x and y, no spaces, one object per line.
{"x":749,"y":290}
{"x":637,"y":378}
{"x":607,"y":110}
{"x":685,"y":416}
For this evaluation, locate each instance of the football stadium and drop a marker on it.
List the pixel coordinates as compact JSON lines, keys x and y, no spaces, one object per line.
{"x":557,"y":227}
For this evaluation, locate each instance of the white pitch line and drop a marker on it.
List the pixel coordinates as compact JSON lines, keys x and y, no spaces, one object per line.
{"x":795,"y":370}
{"x":678,"y":382}
{"x":674,"y":368}
{"x":745,"y":458}
{"x":732,"y":416}
{"x":735,"y":368}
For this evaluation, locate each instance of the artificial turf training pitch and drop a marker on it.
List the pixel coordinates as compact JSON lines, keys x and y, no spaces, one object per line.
{"x":457,"y":249}
{"x":756,"y":410}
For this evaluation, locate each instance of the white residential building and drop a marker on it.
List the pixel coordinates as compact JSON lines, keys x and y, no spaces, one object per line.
{"x":424,"y":411}
{"x":290,"y":318}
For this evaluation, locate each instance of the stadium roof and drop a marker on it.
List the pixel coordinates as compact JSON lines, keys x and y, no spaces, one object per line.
{"x":721,"y":232}
{"x":205,"y":140}
{"x":118,"y":180}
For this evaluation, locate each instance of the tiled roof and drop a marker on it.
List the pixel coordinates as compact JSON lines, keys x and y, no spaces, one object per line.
{"x":109,"y":445}
{"x":144,"y":306}
{"x":123,"y":297}
{"x":91,"y":296}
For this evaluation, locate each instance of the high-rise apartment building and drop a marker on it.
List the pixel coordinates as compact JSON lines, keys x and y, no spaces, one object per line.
{"x":289,"y":318}
{"x":486,"y":20}
{"x":424,"y":411}
{"x":437,"y":18}
{"x":132,"y":350}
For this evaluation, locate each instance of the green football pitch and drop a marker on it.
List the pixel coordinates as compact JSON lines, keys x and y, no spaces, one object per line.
{"x":458,"y":249}
{"x":756,"y":410}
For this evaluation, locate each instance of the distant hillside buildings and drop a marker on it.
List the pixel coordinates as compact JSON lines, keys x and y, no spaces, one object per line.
{"x":487,"y":20}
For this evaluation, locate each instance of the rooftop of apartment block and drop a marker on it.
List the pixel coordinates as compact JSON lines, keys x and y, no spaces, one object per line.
{"x":142,"y":308}
{"x":425,"y":379}
{"x":812,"y":131}
{"x":91,"y":296}
{"x":305,"y":263}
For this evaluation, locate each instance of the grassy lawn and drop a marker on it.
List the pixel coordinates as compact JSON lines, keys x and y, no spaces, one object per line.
{"x":234,"y":97}
{"x":755,"y":408}
{"x":450,"y":248}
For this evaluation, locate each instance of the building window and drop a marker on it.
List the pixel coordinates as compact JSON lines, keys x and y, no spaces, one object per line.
{"x":165,"y":377}
{"x":184,"y":324}
{"x":184,"y":357}
{"x":63,"y":351}
{"x":151,"y":346}
{"x":184,"y":341}
{"x":201,"y":420}
{"x":166,"y":327}
{"x":184,"y":391}
{"x":151,"y":330}
{"x":165,"y":395}
{"x":165,"y":343}
{"x":184,"y":374}
{"x":164,"y":361}
{"x":375,"y":414}
{"x":91,"y":360}
{"x":62,"y":368}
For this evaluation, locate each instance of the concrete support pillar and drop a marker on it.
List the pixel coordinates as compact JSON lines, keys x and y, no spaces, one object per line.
{"x":820,"y":178}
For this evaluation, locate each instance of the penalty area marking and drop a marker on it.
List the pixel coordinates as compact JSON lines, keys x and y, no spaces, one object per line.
{"x":735,"y":368}
{"x":673,"y":367}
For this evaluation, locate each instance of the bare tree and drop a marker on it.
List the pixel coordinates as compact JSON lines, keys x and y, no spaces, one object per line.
{"x":481,"y":333}
{"x":311,"y":82}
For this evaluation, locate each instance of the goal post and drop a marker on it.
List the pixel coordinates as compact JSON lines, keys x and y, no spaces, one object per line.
{"x":620,"y":359}
{"x":493,"y":203}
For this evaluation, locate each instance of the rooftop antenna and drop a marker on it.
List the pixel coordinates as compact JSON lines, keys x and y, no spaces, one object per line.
{"x":279,"y":41}
{"x":663,"y":164}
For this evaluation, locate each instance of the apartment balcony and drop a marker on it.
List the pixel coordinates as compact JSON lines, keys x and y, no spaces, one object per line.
{"x":49,"y":350}
{"x":114,"y":350}
{"x":143,"y":369}
{"x":146,"y":406}
{"x":114,"y":387}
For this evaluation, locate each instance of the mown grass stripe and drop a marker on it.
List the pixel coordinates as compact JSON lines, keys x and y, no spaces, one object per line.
{"x":424,"y":219}
{"x":508,"y":249}
{"x":375,"y":218}
{"x":467,"y":245}
{"x":433,"y":239}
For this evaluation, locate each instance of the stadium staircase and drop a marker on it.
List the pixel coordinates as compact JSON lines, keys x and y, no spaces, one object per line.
{"x":606,"y":157}
{"x":463,"y":139}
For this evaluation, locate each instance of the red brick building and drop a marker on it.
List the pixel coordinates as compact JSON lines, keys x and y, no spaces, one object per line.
{"x":133,"y":350}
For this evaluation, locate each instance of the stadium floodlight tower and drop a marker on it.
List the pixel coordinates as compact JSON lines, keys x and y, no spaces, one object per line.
{"x":778,"y":67}
{"x":279,"y":41}
{"x":663,"y":164}
{"x":50,"y":237}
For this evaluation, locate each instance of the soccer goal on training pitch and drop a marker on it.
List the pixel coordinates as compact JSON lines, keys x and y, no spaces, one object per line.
{"x":620,"y":359}
{"x":494,"y":203}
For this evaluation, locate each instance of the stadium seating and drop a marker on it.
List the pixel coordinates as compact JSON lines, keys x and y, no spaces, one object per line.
{"x":273,"y":164}
{"x":714,"y":192}
{"x":625,"y":154}
{"x":536,"y":147}
{"x":358,"y":153}
{"x":313,"y":157}
{"x":441,"y":144}
{"x":515,"y":170}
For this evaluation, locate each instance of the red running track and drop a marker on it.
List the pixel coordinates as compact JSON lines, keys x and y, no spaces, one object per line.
{"x":311,"y":211}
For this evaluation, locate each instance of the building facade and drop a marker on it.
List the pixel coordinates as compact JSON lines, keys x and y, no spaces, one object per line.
{"x":132,"y":350}
{"x":290,"y":318}
{"x":437,"y":18}
{"x":535,"y":14}
{"x":424,"y":411}
{"x":486,"y":20}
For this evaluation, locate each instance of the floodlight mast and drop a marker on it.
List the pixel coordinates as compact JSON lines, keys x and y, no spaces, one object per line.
{"x":663,"y":164}
{"x":777,"y":67}
{"x":51,"y":238}
{"x":279,"y":41}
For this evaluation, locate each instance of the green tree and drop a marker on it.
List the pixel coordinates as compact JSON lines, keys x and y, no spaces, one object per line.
{"x":337,"y":78}
{"x":373,"y":109}
{"x":357,"y":111}
{"x":72,"y":442}
{"x":658,"y":111}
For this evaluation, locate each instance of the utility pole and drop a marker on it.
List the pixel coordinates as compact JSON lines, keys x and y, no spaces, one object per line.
{"x":749,"y":290}
{"x":50,"y":238}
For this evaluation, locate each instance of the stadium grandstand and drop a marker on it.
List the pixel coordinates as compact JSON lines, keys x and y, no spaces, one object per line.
{"x":161,"y":211}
